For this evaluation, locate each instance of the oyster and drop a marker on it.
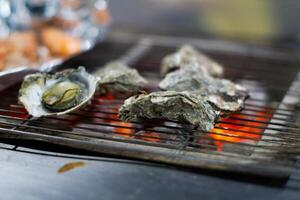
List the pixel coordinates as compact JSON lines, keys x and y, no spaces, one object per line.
{"x":171,"y":105}
{"x":187,"y":55}
{"x":56,"y":94}
{"x":223,"y":94}
{"x":120,"y":80}
{"x":188,"y":78}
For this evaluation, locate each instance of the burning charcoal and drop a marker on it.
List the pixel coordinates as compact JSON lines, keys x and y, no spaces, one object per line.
{"x":120,"y":80}
{"x":187,"y":55}
{"x":171,"y":105}
{"x":223,"y":94}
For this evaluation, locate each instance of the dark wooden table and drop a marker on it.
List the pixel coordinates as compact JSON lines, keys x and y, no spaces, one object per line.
{"x":33,"y":174}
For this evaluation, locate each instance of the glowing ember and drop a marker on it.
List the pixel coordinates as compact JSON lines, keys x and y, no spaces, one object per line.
{"x":109,"y":96}
{"x":20,"y":113}
{"x":248,"y":131}
{"x":148,"y":136}
{"x":121,"y":129}
{"x":125,"y":131}
{"x":97,"y":100}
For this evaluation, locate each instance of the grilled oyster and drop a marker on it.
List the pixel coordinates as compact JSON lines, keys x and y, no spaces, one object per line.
{"x":223,"y":94}
{"x":187,"y":55}
{"x":56,"y":94}
{"x":171,"y":105}
{"x":120,"y":80}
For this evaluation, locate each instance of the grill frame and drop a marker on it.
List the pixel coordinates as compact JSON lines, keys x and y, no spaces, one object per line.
{"x":158,"y":153}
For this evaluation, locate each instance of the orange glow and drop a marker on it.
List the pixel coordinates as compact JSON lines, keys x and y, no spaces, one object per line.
{"x":238,"y":128}
{"x":123,"y":132}
{"x":242,"y":133}
{"x":108,"y":96}
{"x":122,"y":129}
{"x":149,"y":136}
{"x":21,"y":113}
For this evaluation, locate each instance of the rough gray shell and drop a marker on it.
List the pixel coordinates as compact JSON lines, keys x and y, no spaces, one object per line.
{"x":171,"y":105}
{"x":119,"y":79}
{"x":223,"y":94}
{"x":187,"y":55}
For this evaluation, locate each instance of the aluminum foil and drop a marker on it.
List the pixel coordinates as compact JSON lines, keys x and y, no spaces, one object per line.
{"x":86,"y":20}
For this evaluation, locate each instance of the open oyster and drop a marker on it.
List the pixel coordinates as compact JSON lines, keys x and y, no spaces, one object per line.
{"x":120,"y":80}
{"x":187,"y":55}
{"x":56,"y":94}
{"x":171,"y":105}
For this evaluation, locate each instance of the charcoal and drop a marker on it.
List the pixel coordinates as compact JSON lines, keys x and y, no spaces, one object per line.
{"x":187,"y":55}
{"x":223,"y":94}
{"x":170,"y":105}
{"x":120,"y":80}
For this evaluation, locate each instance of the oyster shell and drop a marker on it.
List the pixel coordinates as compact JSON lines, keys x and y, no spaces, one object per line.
{"x":56,"y":94}
{"x":171,"y":105}
{"x":120,"y":80}
{"x":187,"y":55}
{"x":223,"y":94}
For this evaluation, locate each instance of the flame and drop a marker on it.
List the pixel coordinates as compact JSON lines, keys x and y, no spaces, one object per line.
{"x":245,"y":132}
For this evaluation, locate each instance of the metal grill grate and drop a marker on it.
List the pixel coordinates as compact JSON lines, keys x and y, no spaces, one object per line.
{"x":263,"y":139}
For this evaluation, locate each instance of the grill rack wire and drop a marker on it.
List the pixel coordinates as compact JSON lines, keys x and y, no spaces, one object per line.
{"x":267,"y":128}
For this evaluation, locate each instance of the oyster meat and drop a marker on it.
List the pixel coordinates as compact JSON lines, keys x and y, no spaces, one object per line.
{"x":187,"y":55}
{"x":56,"y":94}
{"x":223,"y":94}
{"x":171,"y":105}
{"x":120,"y":80}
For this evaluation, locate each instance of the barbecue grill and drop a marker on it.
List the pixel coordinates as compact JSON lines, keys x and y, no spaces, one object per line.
{"x":261,"y":140}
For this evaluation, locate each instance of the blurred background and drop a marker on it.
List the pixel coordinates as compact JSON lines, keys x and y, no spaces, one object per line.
{"x":37,"y":32}
{"x":246,"y":20}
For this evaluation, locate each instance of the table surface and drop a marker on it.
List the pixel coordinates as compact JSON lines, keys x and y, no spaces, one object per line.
{"x":33,"y":174}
